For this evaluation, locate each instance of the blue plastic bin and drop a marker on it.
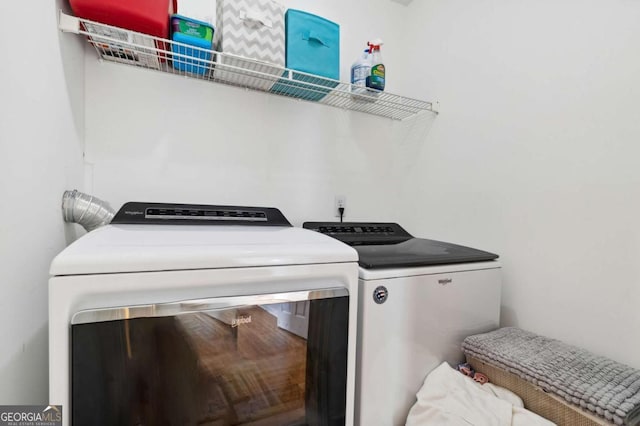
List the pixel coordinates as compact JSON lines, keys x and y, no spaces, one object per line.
{"x":196,"y":33}
{"x":313,"y":47}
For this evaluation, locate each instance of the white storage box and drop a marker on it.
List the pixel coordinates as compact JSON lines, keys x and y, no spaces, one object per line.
{"x":251,"y":29}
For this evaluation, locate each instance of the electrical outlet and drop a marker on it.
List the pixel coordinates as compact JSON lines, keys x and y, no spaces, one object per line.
{"x":340,"y":201}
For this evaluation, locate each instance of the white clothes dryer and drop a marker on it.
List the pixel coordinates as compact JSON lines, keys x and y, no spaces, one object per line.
{"x":418,"y":300}
{"x":192,"y":314}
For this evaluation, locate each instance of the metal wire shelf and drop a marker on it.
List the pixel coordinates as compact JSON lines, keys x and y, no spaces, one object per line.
{"x":145,"y":51}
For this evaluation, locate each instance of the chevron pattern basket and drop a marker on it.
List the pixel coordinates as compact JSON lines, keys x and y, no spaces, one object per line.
{"x":251,"y":29}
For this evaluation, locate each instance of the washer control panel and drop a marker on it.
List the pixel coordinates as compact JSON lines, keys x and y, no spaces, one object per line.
{"x":198,"y":214}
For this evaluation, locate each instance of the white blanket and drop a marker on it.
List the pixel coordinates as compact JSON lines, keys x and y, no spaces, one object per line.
{"x":448,"y":398}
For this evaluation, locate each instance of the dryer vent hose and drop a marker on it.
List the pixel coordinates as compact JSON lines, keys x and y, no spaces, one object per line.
{"x":86,"y":210}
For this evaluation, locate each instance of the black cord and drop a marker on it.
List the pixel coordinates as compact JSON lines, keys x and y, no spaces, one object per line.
{"x":341,"y":211}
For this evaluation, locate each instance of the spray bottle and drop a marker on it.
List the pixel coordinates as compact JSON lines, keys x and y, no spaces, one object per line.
{"x":360,"y":71}
{"x":376,"y":78}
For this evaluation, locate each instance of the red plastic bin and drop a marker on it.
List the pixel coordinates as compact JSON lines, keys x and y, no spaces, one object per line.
{"x":144,"y":16}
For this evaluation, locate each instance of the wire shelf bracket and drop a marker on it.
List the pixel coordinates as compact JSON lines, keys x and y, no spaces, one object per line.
{"x":144,"y":51}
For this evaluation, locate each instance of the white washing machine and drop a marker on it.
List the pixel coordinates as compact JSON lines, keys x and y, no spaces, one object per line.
{"x":192,"y":314}
{"x":418,"y":300}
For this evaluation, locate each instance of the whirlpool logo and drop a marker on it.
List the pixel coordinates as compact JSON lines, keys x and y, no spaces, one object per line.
{"x":242,"y":319}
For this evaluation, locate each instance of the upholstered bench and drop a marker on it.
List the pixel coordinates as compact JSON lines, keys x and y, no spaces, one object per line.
{"x":563,"y":383}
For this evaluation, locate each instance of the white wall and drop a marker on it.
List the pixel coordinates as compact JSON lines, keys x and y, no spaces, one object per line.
{"x":41,"y":127}
{"x":535,"y":156}
{"x":165,"y":138}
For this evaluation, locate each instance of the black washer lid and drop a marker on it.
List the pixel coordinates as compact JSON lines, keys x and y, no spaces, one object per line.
{"x":388,"y":245}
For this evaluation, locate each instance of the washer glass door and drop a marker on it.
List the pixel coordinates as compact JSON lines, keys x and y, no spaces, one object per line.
{"x":278,"y":359}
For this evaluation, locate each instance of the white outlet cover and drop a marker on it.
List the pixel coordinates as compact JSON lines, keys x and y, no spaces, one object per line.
{"x":339,"y":200}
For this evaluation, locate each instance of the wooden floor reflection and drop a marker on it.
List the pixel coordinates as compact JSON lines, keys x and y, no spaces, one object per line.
{"x":252,"y":374}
